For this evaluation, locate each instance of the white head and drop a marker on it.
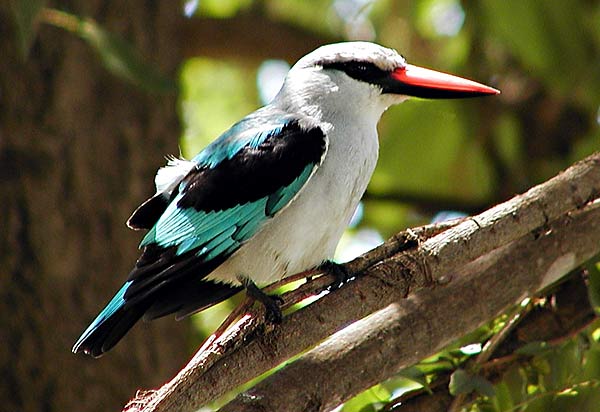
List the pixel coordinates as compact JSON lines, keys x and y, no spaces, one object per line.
{"x":363,"y":76}
{"x":357,"y":51}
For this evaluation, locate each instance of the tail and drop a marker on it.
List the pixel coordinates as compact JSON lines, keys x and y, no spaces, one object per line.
{"x":110,"y":325}
{"x":187,"y":296}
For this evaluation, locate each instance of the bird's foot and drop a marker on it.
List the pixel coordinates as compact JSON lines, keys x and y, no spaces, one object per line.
{"x":338,"y":271}
{"x":272,"y":303}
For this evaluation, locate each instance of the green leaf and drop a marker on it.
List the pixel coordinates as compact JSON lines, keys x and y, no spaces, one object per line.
{"x":116,"y":55}
{"x":594,"y":285}
{"x":565,"y":364}
{"x":462,"y":382}
{"x":503,"y":400}
{"x":368,"y":400}
{"x":416,"y":375}
{"x":223,"y":8}
{"x":533,"y":348}
{"x":483,"y":386}
{"x":26,"y":13}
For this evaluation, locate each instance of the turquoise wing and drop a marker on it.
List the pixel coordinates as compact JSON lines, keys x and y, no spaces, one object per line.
{"x":224,"y":201}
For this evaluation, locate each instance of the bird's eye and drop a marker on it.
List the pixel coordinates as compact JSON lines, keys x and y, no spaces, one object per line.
{"x":361,"y":68}
{"x":357,"y":69}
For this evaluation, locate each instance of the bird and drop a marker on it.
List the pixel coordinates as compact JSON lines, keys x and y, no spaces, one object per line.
{"x":273,"y":194}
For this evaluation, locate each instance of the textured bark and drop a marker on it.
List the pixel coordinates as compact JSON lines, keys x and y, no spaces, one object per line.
{"x":78,"y":150}
{"x":434,"y":265}
{"x":408,"y":330}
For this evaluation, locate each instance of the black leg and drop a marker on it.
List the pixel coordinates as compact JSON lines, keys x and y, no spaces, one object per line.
{"x":271,"y":303}
{"x":338,"y":271}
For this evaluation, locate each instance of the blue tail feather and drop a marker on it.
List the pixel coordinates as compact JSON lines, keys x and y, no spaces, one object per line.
{"x":109,"y":326}
{"x":186,"y":296}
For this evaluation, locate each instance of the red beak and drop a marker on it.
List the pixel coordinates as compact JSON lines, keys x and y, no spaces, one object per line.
{"x":420,"y":82}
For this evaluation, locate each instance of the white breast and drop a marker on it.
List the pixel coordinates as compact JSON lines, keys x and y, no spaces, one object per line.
{"x":307,"y":231}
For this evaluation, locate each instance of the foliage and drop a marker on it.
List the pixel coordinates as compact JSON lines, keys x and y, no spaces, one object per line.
{"x":563,"y":377}
{"x":467,"y":154}
{"x":115,"y":54}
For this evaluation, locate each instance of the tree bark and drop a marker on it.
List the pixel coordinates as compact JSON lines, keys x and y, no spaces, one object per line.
{"x":78,"y":151}
{"x":525,"y":244}
{"x":408,"y":330}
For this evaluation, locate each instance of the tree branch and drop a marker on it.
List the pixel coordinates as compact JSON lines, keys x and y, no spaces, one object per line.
{"x":471,"y":272}
{"x":375,"y":348}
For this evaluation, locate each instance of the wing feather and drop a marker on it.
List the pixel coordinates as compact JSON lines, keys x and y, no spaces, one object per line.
{"x":220,"y":205}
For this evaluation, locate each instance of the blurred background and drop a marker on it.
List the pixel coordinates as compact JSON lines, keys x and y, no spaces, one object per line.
{"x":94,"y":94}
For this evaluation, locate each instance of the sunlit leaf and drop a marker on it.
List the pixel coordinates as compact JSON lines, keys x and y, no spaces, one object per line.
{"x":399,"y":385}
{"x":26,"y":13}
{"x":368,"y":400}
{"x":416,"y":375}
{"x":117,"y":56}
{"x":581,"y":396}
{"x":222,"y":8}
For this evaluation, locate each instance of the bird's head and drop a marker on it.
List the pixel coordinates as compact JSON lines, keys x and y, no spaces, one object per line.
{"x":363,"y":74}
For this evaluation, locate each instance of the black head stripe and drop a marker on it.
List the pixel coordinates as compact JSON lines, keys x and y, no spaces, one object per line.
{"x":364,"y":71}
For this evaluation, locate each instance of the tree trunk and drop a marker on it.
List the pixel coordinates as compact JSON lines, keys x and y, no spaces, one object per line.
{"x":78,"y":150}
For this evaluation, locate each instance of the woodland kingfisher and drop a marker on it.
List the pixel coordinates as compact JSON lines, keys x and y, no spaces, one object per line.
{"x":272,"y":195}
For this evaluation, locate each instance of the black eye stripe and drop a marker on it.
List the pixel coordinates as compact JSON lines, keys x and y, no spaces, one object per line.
{"x":359,"y":70}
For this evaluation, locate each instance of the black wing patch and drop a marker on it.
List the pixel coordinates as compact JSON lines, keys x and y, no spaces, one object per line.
{"x":255,"y":172}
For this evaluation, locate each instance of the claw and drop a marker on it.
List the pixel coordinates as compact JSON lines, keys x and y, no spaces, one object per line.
{"x":338,"y":271}
{"x":271,"y":303}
